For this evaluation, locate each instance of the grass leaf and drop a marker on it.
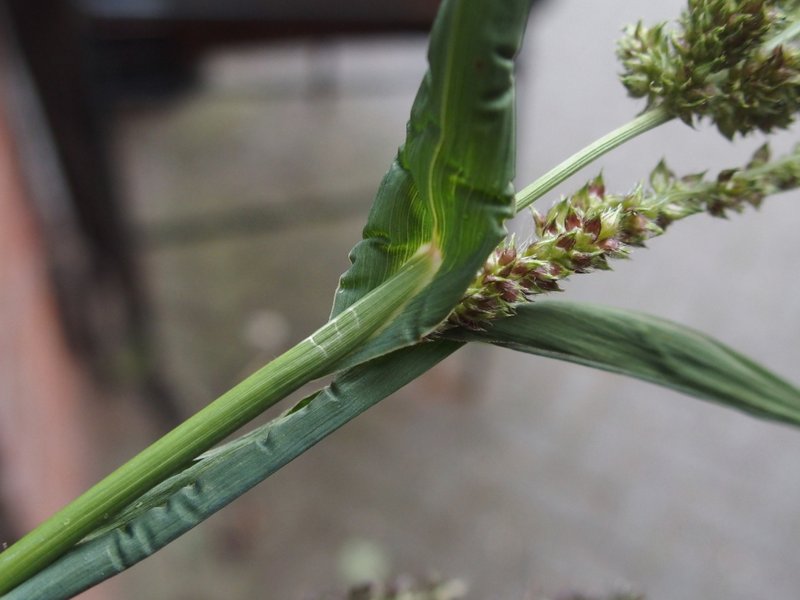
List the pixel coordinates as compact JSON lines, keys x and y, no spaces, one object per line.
{"x":647,"y":348}
{"x":450,"y":185}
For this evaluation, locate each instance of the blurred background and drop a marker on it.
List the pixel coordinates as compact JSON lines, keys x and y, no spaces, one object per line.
{"x":180,"y":184}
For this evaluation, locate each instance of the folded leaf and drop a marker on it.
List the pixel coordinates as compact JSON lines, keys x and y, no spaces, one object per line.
{"x":222,"y":475}
{"x":450,"y":185}
{"x":647,"y":348}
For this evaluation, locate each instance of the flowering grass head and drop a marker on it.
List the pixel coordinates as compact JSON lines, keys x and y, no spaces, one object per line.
{"x":721,"y":62}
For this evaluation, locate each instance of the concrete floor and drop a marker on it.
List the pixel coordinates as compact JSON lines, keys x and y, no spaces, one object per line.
{"x":524,"y":477}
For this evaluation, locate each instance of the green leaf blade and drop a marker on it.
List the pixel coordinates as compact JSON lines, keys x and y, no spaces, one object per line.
{"x":450,"y":184}
{"x":647,"y":348}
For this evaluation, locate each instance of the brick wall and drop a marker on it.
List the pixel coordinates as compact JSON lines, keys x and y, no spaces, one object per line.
{"x":44,"y":444}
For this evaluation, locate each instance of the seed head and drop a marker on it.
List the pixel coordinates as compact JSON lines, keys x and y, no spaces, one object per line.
{"x":718,"y":62}
{"x":583,"y":232}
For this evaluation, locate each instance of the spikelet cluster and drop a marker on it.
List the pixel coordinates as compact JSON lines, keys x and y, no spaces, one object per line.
{"x":720,"y":62}
{"x":582,"y":232}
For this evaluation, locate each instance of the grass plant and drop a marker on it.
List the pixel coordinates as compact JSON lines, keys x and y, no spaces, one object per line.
{"x":436,"y":270}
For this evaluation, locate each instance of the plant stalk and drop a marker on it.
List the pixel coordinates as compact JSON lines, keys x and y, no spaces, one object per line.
{"x":646,"y":121}
{"x":314,"y":357}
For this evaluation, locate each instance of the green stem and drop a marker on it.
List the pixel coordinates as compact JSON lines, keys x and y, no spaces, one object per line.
{"x":311,"y":358}
{"x":645,"y":122}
